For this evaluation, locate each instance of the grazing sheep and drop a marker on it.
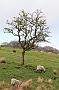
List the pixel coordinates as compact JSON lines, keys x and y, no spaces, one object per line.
{"x":40,"y":68}
{"x":15,"y":82}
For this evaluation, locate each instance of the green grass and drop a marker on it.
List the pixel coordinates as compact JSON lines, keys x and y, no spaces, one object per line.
{"x":12,"y":68}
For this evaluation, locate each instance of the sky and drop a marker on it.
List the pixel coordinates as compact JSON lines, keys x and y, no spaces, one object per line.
{"x":11,"y":8}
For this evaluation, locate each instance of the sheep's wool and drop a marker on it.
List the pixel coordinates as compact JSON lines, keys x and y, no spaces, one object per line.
{"x":15,"y":81}
{"x":40,"y":68}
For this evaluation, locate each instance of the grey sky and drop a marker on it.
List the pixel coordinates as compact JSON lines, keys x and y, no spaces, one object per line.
{"x":11,"y":8}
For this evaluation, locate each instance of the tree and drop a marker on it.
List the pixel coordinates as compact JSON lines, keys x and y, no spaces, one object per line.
{"x":31,"y":29}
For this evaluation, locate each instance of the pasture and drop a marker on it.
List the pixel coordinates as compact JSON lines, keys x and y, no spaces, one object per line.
{"x":13,"y":69}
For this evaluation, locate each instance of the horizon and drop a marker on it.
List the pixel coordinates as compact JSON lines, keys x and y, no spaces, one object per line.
{"x":17,"y":41}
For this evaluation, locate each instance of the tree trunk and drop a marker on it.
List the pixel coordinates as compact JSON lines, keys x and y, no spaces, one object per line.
{"x":23,"y":53}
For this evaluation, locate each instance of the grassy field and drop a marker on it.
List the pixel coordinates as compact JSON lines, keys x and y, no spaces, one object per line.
{"x":12,"y":67}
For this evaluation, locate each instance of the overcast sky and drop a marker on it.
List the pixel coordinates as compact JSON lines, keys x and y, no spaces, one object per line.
{"x":11,"y":8}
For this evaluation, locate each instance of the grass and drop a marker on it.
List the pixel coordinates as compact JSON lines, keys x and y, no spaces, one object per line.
{"x":12,"y":67}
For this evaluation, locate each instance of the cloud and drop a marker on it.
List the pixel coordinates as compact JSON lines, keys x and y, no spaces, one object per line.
{"x":12,"y":7}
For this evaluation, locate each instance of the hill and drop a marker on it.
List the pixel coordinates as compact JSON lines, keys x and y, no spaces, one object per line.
{"x":12,"y":67}
{"x":15,"y":44}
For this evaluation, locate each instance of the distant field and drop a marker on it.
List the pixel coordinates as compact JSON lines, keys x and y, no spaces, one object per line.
{"x":12,"y":68}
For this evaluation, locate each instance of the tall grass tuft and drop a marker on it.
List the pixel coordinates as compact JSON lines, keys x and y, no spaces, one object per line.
{"x":26,"y":85}
{"x":42,"y":87}
{"x":40,"y":80}
{"x":49,"y":81}
{"x":3,"y":60}
{"x":55,"y":71}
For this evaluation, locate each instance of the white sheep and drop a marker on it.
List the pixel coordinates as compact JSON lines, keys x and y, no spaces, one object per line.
{"x":40,"y":68}
{"x":15,"y":82}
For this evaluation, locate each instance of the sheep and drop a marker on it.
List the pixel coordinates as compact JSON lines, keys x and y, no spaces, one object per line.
{"x":15,"y":82}
{"x":40,"y":68}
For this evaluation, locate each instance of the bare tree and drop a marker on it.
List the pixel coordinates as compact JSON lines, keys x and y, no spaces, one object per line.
{"x":31,"y":29}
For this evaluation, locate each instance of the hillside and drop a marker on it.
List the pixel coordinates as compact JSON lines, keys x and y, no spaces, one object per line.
{"x":15,"y":44}
{"x":12,"y":67}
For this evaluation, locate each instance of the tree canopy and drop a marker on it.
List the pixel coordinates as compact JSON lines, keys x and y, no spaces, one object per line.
{"x":31,"y":29}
